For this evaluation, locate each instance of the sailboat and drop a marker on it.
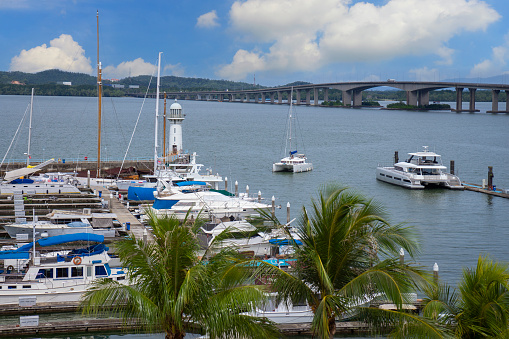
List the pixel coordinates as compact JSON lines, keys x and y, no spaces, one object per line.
{"x":293,"y":162}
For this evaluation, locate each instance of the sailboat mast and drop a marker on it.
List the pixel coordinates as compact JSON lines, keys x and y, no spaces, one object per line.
{"x":30,"y":127}
{"x":164,"y":128}
{"x":290,"y":121}
{"x":99,"y":103}
{"x":157,"y":110}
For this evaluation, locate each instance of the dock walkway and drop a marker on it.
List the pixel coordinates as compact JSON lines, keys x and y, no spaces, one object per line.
{"x":123,"y":214}
{"x":478,"y":188}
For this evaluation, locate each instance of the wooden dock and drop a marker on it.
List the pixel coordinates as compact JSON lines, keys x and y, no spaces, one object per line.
{"x":478,"y":188}
{"x":123,"y":214}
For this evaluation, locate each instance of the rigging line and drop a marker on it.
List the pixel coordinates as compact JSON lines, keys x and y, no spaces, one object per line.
{"x":15,"y":134}
{"x":134,"y":130}
{"x":118,"y":121}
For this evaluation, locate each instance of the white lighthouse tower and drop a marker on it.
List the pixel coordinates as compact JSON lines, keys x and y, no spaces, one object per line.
{"x":175,"y":119}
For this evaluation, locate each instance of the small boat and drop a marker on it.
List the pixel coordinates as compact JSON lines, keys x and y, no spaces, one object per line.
{"x":67,"y":222}
{"x":54,"y":277}
{"x":294,"y":162}
{"x":421,"y":169}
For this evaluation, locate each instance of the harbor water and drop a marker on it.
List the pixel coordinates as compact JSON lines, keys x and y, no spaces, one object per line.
{"x":241,"y":141}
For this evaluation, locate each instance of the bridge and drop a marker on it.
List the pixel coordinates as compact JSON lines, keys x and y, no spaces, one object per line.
{"x":417,"y":93}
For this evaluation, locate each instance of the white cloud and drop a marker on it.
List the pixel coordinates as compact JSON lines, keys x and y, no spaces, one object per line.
{"x":305,"y":35}
{"x":130,"y":68}
{"x":425,"y":74}
{"x":495,"y":65}
{"x":207,"y":20}
{"x":63,"y":53}
{"x":176,"y":70}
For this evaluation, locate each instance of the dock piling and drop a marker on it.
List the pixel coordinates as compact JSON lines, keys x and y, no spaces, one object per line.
{"x":273,"y":208}
{"x":451,"y":167}
{"x":435,"y":273}
{"x":288,"y":213}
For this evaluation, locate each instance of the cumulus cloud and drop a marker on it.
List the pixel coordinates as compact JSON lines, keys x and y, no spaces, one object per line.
{"x":207,"y":20}
{"x":305,"y":35}
{"x":176,"y":70}
{"x":495,"y":65}
{"x":130,"y":68}
{"x":63,"y":53}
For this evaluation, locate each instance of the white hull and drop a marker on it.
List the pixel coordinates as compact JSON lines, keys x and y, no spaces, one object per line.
{"x":54,"y":230}
{"x":288,"y":317}
{"x":414,"y":181}
{"x":295,"y":168}
{"x":38,"y":188}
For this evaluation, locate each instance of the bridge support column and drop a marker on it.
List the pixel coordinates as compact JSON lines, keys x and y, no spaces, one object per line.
{"x":357,"y":98}
{"x":272,"y":97}
{"x":459,"y":99}
{"x":220,"y":97}
{"x":279,"y":97}
{"x":347,"y":98}
{"x":297,"y":96}
{"x":494,"y":100}
{"x":232,"y":97}
{"x":471,"y":107}
{"x":325,"y":94}
{"x":507,"y":101}
{"x":423,"y":98}
{"x":411,"y":98}
{"x":315,"y":96}
{"x":308,"y":97}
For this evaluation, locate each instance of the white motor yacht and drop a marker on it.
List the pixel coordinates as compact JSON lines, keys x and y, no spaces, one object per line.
{"x":58,"y":276}
{"x":421,"y":169}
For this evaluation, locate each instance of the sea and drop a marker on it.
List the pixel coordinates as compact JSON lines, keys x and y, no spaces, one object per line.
{"x":241,"y":141}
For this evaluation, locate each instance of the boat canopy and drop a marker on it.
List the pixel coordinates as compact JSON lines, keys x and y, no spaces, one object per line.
{"x":293,"y":152}
{"x":283,"y":242}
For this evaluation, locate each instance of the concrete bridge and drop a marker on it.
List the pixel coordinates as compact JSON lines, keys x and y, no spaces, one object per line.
{"x":417,"y":93}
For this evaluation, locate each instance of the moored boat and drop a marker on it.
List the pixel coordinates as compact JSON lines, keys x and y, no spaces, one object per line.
{"x":421,"y":169}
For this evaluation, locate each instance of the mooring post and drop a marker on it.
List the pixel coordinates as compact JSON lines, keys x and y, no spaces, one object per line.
{"x":451,"y":167}
{"x":288,"y":213}
{"x":226,"y":183}
{"x":435,"y":273}
{"x":237,"y":189}
{"x":401,"y":256}
{"x":273,"y":209}
{"x":396,"y":157}
{"x":259,"y":196}
{"x":490,"y":177}
{"x":247,"y":190}
{"x":145,"y":235}
{"x":88,"y":179}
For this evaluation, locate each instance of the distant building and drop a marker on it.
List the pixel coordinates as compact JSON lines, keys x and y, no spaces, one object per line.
{"x":16,"y":82}
{"x":65,"y":83}
{"x":114,"y":80}
{"x":134,"y":86}
{"x":117,"y":86}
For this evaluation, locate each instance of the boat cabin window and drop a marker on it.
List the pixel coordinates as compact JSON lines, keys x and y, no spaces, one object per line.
{"x":62,"y":272}
{"x":398,"y":168}
{"x":45,"y":273}
{"x":100,"y":270}
{"x":27,"y":286}
{"x":77,"y":272}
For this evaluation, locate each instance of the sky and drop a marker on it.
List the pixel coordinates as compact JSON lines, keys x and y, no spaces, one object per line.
{"x":267,"y":42}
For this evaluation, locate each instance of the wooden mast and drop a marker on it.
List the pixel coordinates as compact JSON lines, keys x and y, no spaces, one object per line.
{"x":99,"y":102}
{"x":164,"y":129}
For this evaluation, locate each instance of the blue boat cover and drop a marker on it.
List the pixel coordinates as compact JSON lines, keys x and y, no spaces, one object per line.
{"x":293,"y":152}
{"x":161,"y":204}
{"x":22,"y":181}
{"x":140,"y":193}
{"x":191,"y":183}
{"x":282,"y":242}
{"x":62,"y":239}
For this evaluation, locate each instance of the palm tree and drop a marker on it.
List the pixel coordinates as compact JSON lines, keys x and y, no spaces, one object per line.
{"x":172,"y":286}
{"x":480,"y":307}
{"x":346,"y":256}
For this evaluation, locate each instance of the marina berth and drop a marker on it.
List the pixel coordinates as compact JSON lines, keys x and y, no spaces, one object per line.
{"x":420,"y":170}
{"x":55,"y":277}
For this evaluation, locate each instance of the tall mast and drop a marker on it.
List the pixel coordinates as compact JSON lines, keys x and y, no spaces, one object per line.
{"x":290,"y":121}
{"x":99,"y":102}
{"x":164,"y":127}
{"x":157,"y":110}
{"x":30,"y":128}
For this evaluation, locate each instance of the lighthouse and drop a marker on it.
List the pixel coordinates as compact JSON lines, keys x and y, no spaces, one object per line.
{"x":175,"y":120}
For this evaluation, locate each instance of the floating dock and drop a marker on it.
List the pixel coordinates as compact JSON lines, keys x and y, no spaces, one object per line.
{"x":479,"y":188}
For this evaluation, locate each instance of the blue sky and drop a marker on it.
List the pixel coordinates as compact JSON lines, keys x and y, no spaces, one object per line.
{"x":279,"y":41}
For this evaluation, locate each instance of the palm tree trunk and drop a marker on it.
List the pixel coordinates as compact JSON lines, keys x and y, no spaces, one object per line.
{"x":332,"y":327}
{"x":175,"y":335}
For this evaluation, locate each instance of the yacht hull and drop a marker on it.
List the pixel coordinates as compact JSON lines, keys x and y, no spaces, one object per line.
{"x":392,"y":176}
{"x":294,"y":168}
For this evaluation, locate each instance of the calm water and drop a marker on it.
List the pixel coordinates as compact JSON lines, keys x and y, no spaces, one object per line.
{"x":241,"y":141}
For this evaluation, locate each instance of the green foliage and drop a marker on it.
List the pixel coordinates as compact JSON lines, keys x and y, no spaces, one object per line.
{"x":171,"y":286}
{"x":402,"y":105}
{"x":347,"y":257}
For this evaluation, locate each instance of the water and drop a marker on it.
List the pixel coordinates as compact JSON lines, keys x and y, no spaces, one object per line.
{"x":241,"y":141}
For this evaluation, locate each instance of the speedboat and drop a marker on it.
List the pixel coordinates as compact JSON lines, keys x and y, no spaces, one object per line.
{"x":67,"y":222}
{"x":421,"y":169}
{"x":57,"y":276}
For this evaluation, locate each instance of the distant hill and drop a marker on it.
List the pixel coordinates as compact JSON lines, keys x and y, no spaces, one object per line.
{"x":497,"y":79}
